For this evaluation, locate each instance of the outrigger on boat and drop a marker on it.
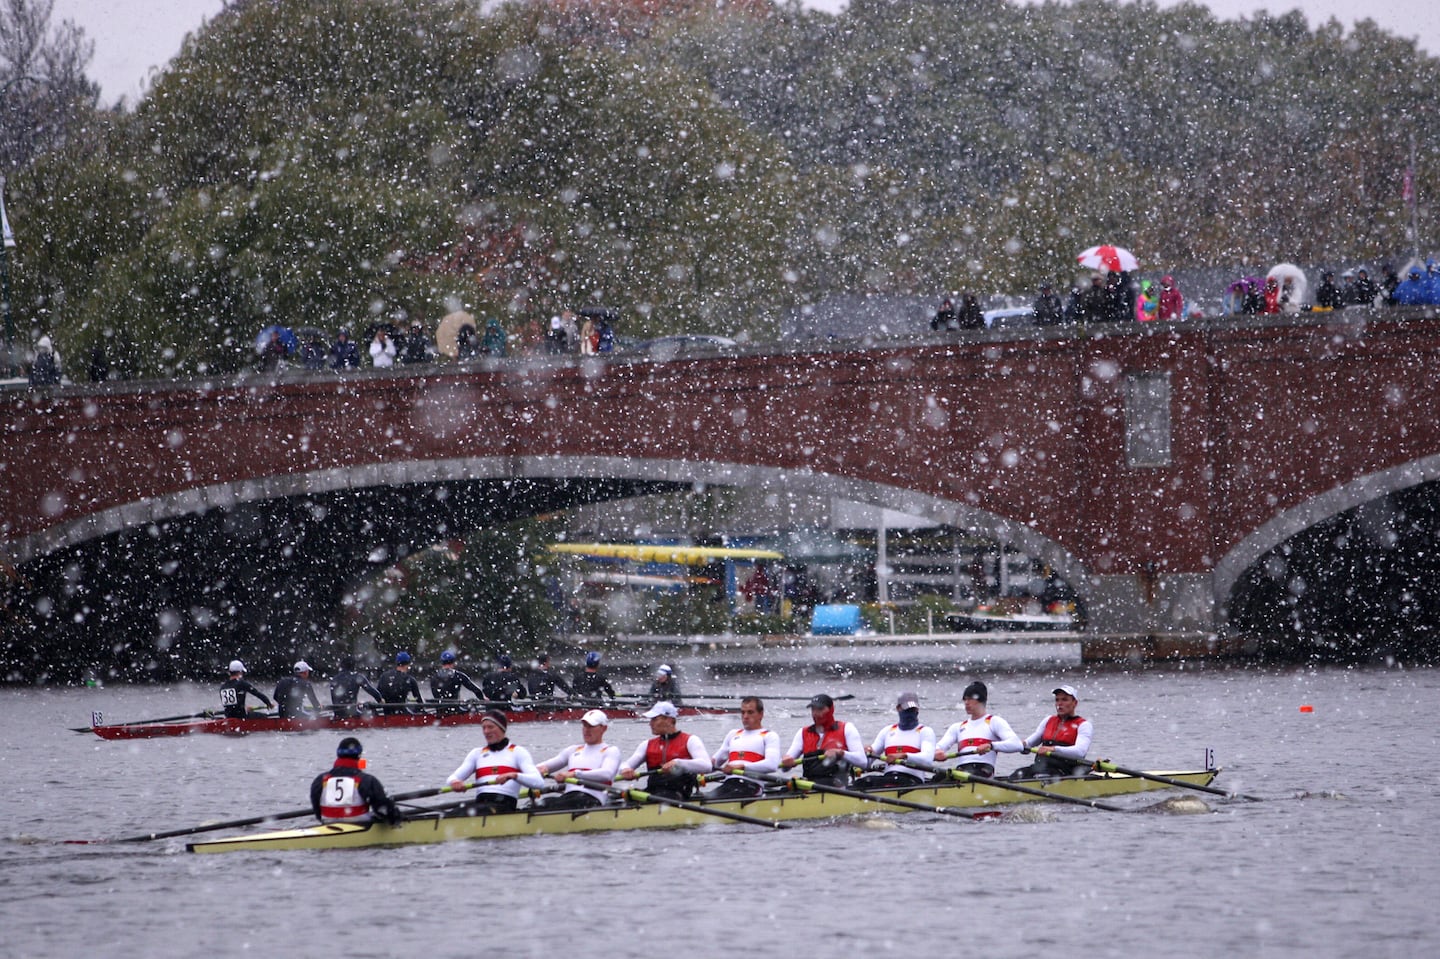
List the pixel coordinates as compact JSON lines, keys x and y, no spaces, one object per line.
{"x":779,"y":806}
{"x":457,"y":714}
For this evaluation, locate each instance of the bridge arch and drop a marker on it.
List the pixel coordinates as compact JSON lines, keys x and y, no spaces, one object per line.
{"x":1313,"y":511}
{"x":628,"y":473}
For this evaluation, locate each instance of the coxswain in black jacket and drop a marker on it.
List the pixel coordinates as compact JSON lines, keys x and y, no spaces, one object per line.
{"x":349,"y":766}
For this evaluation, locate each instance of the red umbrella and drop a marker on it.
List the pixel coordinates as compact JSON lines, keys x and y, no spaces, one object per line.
{"x":1116,"y":259}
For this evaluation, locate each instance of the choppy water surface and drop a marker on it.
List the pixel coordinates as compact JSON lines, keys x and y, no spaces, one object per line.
{"x":1317,"y":876}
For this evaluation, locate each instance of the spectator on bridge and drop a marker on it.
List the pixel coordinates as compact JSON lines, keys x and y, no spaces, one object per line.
{"x":1327,"y":294}
{"x":313,"y":353}
{"x":1413,"y":290}
{"x":970,"y":316}
{"x":1347,"y":288}
{"x":1172,"y":304}
{"x":1092,"y":303}
{"x":555,"y":341}
{"x":572,"y":331}
{"x":416,"y":347}
{"x":1147,"y":305}
{"x":467,"y":343}
{"x":1432,"y":281}
{"x":604,"y":336}
{"x":1272,"y":295}
{"x":99,"y":370}
{"x":1119,"y":299}
{"x":1367,"y":291}
{"x":1047,"y":307}
{"x":944,"y":318}
{"x":1389,"y":280}
{"x":587,"y":336}
{"x":494,"y":342}
{"x":382,"y":350}
{"x":344,"y":355}
{"x":45,"y":368}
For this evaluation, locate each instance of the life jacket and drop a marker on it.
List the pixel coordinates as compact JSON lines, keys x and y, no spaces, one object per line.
{"x":340,"y":799}
{"x":660,"y":750}
{"x":1061,"y":732}
{"x":814,"y":766}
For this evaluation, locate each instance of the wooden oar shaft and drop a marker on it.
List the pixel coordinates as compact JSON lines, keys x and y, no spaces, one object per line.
{"x":964,"y":777}
{"x":1105,"y":765}
{"x":640,"y":796}
{"x":806,"y":785}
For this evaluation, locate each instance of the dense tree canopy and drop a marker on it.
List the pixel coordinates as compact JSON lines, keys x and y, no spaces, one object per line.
{"x":346,"y":162}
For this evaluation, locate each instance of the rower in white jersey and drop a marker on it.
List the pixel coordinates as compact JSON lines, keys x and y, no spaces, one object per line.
{"x":592,"y":764}
{"x":978,"y":737}
{"x":903,"y":751}
{"x":746,"y":752}
{"x":500,"y":769}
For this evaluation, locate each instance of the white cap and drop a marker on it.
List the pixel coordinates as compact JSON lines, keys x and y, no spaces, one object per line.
{"x":556,"y":322}
{"x":595,"y":717}
{"x":44,"y":343}
{"x":236,"y":666}
{"x":1067,"y":690}
{"x":664,"y":670}
{"x":662,"y":709}
{"x":302,"y":667}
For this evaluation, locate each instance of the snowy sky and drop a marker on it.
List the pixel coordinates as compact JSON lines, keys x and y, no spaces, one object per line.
{"x":134,"y":37}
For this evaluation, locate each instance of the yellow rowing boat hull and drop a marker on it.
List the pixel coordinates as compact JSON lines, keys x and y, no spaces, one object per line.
{"x":779,"y":807}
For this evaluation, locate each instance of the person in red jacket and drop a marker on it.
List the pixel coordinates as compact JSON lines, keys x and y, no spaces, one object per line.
{"x":1172,"y":304}
{"x":826,"y":750}
{"x":1060,"y":742}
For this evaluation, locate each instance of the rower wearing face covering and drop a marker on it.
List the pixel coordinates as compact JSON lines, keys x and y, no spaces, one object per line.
{"x":900,"y":748}
{"x":827,"y":748}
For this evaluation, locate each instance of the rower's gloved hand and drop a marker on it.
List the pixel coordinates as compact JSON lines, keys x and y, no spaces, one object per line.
{"x":877,"y":765}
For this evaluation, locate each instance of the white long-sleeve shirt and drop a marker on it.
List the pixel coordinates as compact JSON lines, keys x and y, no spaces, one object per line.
{"x":1076,"y":752}
{"x":382,"y":354}
{"x":989,"y":728}
{"x":915,"y":746}
{"x":486,"y":764}
{"x":758,"y":750}
{"x":595,"y":766}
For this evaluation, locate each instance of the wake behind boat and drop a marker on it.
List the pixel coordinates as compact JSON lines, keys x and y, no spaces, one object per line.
{"x":466,"y":713}
{"x":779,"y":806}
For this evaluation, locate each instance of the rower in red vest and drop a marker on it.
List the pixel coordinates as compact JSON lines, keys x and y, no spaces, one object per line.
{"x":979,"y":736}
{"x":747,"y":752}
{"x":349,"y":794}
{"x":827,"y":748}
{"x":673,"y":759}
{"x":500,"y":769}
{"x":903,"y":751}
{"x":1061,"y":741}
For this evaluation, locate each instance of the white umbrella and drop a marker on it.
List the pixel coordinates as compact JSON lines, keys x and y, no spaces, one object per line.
{"x":1115,"y":259}
{"x":1293,"y":285}
{"x":447,"y":335}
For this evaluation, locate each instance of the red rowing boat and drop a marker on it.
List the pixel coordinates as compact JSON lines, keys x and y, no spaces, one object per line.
{"x":460,"y":716}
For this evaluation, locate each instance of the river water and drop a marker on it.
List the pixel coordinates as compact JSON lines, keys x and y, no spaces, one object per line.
{"x":1340,"y":872}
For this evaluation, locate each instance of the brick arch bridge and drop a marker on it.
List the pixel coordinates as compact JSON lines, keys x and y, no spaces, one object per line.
{"x":1151,"y":466}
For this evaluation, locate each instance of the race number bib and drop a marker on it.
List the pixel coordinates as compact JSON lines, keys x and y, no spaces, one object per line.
{"x":228,"y":697}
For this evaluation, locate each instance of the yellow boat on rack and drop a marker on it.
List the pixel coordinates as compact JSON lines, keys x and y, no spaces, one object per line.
{"x":778,"y":806}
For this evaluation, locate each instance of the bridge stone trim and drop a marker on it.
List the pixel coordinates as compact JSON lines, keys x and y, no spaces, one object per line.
{"x":1313,"y":511}
{"x":678,"y":472}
